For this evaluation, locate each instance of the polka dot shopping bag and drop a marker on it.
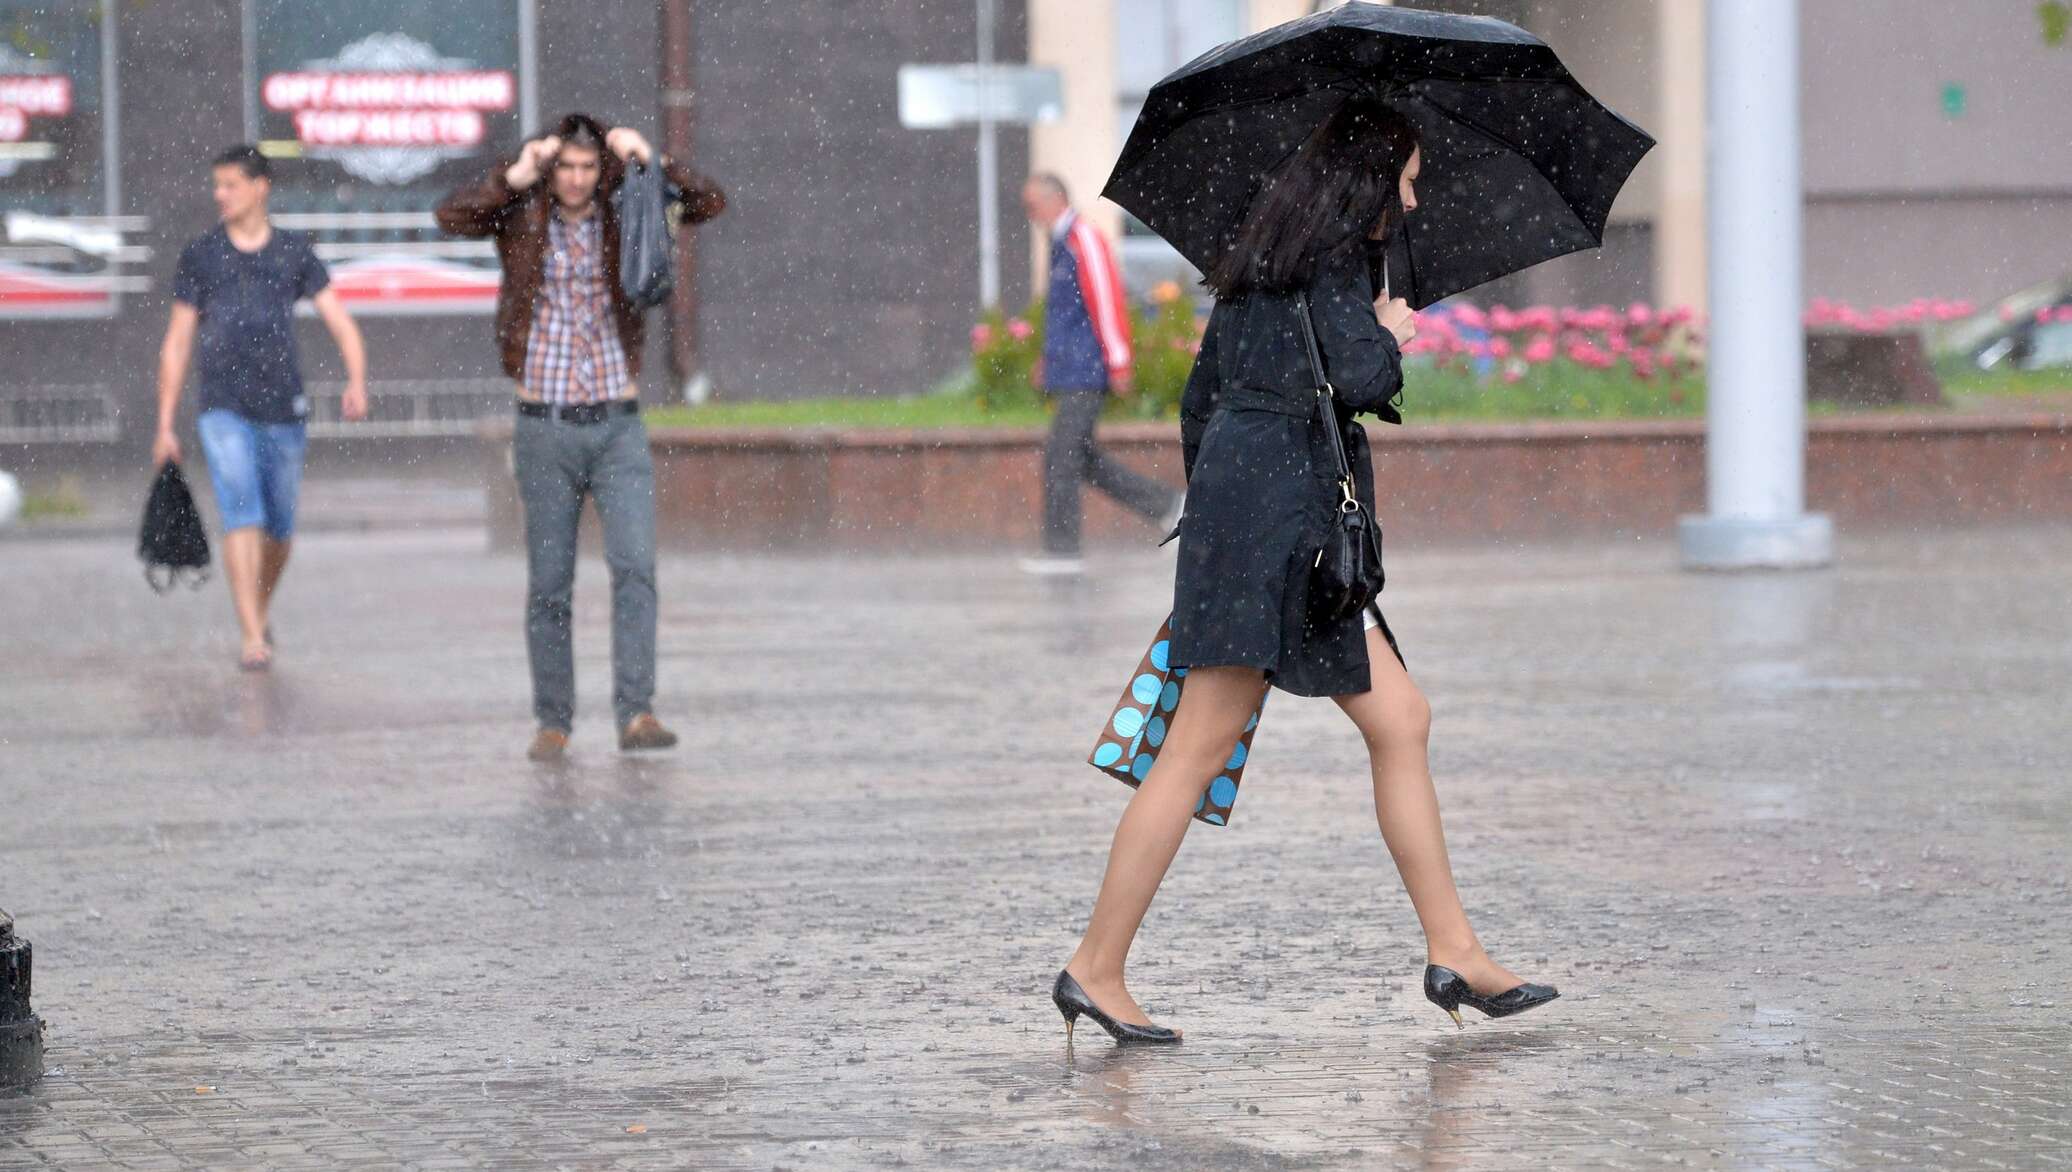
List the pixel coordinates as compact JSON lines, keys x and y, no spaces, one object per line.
{"x":1130,"y":740}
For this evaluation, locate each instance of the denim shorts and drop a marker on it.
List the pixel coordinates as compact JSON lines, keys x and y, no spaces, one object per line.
{"x":256,"y":469}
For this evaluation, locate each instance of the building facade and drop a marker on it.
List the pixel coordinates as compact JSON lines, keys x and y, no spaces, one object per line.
{"x":848,"y":261}
{"x":1935,"y":162}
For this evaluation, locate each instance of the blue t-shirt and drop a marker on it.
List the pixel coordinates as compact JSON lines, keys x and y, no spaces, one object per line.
{"x":245,"y":346}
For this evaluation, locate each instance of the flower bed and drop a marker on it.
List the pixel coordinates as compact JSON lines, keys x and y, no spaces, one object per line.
{"x":1540,"y":362}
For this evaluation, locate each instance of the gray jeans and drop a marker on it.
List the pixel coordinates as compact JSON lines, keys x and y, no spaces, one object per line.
{"x":1072,"y":457}
{"x":559,"y":463}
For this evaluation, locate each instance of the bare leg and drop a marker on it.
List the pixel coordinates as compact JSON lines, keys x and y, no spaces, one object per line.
{"x":273,"y":561}
{"x":1214,"y":707}
{"x":241,"y":565}
{"x":1396,"y":721}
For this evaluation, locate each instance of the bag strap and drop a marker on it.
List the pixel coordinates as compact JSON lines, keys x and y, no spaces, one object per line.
{"x":1327,"y":397}
{"x":1309,"y":339}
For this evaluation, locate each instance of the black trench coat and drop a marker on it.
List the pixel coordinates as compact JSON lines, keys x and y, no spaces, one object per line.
{"x":1261,"y":483}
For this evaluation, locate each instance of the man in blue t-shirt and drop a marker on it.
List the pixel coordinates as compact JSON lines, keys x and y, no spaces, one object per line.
{"x":234,"y":293}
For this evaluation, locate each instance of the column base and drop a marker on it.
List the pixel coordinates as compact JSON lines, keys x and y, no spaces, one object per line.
{"x":1741,"y":543}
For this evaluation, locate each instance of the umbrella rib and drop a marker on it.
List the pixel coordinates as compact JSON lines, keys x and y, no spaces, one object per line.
{"x":1499,"y":142}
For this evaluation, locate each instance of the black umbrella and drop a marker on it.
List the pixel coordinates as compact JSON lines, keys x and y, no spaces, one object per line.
{"x":1521,"y":164}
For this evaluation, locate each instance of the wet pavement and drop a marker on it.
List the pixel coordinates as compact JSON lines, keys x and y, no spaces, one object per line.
{"x":1794,"y":847}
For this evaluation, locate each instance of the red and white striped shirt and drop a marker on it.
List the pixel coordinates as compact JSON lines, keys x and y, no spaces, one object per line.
{"x":1100,"y":284}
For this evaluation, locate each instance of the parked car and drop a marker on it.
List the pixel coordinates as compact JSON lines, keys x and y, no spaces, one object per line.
{"x":2030,"y":330}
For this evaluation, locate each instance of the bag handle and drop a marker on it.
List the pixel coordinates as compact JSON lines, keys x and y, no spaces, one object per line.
{"x":1327,"y":396}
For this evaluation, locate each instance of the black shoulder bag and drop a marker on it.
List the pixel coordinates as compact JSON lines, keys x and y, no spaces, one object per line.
{"x":647,"y":267}
{"x":1347,"y":574}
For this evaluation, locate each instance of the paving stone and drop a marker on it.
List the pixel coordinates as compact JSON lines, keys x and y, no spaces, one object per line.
{"x":1794,"y":847}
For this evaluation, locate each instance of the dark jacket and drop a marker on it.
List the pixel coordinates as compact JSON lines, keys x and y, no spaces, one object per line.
{"x":518,"y":221}
{"x":1260,"y":480}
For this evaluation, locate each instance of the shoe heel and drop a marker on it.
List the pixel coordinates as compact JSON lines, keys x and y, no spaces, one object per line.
{"x":1442,"y":988}
{"x":1071,"y":1015}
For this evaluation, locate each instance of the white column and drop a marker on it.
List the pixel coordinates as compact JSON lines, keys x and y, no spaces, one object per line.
{"x":1755,"y":449}
{"x":988,"y":168}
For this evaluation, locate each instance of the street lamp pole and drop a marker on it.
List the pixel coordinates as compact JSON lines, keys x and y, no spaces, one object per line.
{"x":1755,"y":442}
{"x":988,"y":166}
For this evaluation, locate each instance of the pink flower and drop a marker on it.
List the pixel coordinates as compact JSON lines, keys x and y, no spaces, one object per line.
{"x":1540,"y":349}
{"x":1020,"y":330}
{"x":1513,"y":373}
{"x":1587,"y":355}
{"x":1500,"y":347}
{"x":1470,"y":317}
{"x":1640,"y":313}
{"x":1502,"y":320}
{"x":981,"y":337}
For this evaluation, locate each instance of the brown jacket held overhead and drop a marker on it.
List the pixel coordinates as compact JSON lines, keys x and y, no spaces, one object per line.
{"x":518,"y":221}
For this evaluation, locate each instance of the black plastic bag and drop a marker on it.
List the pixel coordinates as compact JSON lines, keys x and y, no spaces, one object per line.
{"x":172,"y":539}
{"x":647,"y":266}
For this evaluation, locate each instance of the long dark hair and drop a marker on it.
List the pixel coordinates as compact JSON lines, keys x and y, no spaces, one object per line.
{"x":1324,"y":198}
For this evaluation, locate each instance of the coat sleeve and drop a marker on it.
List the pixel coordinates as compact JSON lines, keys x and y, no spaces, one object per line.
{"x":1360,"y":357}
{"x":1198,"y":399}
{"x":479,"y":208}
{"x":702,"y":199}
{"x":1100,"y":285}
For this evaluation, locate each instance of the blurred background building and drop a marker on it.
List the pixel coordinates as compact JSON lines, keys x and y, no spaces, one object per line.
{"x":1935,"y":165}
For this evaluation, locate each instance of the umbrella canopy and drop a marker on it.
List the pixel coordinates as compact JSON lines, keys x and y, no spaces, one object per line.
{"x":1521,"y":164}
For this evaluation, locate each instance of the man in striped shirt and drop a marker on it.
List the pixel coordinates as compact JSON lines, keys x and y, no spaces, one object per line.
{"x":1086,"y":354}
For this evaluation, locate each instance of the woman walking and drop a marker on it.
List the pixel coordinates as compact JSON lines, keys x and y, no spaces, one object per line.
{"x":1260,"y":500}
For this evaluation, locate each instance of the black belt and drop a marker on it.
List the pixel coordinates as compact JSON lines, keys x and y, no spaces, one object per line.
{"x":1299,"y":406}
{"x":580,"y":412}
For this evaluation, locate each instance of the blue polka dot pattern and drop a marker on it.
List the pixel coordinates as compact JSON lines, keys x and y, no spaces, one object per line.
{"x":1141,"y":722}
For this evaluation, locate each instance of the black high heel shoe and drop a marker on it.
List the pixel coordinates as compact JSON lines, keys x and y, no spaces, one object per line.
{"x":1072,"y":1001}
{"x":1449,"y":991}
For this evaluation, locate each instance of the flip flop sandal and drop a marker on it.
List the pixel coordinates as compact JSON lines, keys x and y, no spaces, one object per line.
{"x":260,"y":662}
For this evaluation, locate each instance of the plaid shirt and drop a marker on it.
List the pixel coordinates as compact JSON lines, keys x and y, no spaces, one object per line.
{"x":574,"y":354}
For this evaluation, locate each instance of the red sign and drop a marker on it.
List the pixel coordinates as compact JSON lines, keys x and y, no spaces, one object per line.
{"x":38,"y":96}
{"x":389,"y":128}
{"x":493,"y":89}
{"x":35,"y":96}
{"x":391,"y":109}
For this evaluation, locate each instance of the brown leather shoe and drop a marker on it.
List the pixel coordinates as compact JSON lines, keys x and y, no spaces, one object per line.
{"x":645,"y":732}
{"x":548,"y":744}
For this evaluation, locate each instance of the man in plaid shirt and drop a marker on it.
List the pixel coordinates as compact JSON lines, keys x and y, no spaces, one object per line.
{"x":571,"y":341}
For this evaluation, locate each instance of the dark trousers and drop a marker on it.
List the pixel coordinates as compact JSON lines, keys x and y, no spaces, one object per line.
{"x":1071,"y":457}
{"x":558,"y":464}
